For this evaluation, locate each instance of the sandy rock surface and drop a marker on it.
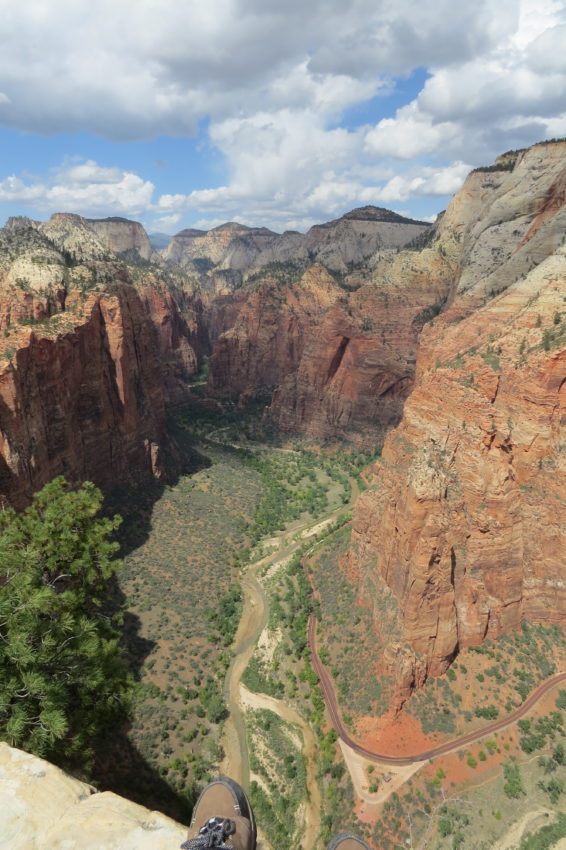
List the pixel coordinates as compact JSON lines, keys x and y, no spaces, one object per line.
{"x":42,"y":808}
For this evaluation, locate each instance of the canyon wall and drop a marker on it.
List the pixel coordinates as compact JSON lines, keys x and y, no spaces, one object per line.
{"x":122,"y":236}
{"x":464,"y":527}
{"x":341,"y":363}
{"x":358,"y":359}
{"x":339,"y":350}
{"x":86,"y":368}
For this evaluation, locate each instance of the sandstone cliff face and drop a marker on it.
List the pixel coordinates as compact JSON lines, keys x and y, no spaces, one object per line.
{"x":84,"y":374}
{"x":87,"y":403}
{"x":267,"y":330}
{"x":123,"y":236}
{"x":45,"y":809}
{"x":464,"y":525}
{"x":342,"y":362}
{"x":358,"y":360}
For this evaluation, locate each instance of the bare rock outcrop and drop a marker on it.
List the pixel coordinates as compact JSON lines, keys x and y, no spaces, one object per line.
{"x":42,"y":808}
{"x":341,"y":360}
{"x":123,"y":236}
{"x":358,"y":361}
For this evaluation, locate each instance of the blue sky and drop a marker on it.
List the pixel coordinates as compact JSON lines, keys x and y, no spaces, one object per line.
{"x":277,"y":114}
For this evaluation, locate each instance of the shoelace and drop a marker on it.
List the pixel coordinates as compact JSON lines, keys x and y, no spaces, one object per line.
{"x":212,"y":834}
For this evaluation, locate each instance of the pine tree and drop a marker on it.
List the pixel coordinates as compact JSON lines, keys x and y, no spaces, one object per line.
{"x":62,"y":675}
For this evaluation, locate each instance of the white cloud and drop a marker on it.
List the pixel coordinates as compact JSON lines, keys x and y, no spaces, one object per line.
{"x":134,"y":69}
{"x":86,"y":188}
{"x":509,"y":95}
{"x":274,"y":159}
{"x":273,"y":81}
{"x":409,"y":134}
{"x":429,"y":182}
{"x":167,"y":222}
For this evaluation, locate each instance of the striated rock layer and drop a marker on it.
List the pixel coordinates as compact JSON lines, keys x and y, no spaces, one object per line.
{"x":357,"y":363}
{"x":341,"y":360}
{"x":86,"y":368}
{"x":464,"y":529}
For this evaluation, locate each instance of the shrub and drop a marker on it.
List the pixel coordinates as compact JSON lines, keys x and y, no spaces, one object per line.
{"x":63,"y":679}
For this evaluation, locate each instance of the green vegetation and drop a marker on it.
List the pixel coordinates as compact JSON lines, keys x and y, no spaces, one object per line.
{"x":346,"y":637}
{"x":546,"y":837}
{"x":513,"y":664}
{"x":534,"y":735}
{"x":225,"y":615}
{"x":184,"y":603}
{"x":291,"y":489}
{"x":283,"y":272}
{"x":513,"y":786}
{"x":490,"y":357}
{"x":436,"y":706}
{"x":276,"y":758}
{"x":63,"y":677}
{"x":257,"y":679}
{"x":498,"y":166}
{"x":451,"y":822}
{"x":555,"y":335}
{"x":427,"y":314}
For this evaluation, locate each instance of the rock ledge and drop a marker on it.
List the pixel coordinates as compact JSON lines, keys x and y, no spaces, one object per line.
{"x":42,"y":808}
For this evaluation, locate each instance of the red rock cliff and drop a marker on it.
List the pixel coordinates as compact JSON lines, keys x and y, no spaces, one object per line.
{"x":91,"y":350}
{"x":342,"y":362}
{"x":83,"y":394}
{"x":464,"y":528}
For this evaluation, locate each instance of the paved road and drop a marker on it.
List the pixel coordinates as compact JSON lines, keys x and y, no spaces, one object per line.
{"x":441,"y":749}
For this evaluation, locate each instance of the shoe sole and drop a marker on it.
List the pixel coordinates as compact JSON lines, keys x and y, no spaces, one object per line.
{"x":242,"y":802}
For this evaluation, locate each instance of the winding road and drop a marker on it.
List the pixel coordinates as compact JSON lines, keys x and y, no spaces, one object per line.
{"x":252,"y":623}
{"x":424,"y":755}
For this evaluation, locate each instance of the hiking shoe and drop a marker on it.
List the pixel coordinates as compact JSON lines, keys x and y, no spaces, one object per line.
{"x":223,"y":818}
{"x":345,"y":841}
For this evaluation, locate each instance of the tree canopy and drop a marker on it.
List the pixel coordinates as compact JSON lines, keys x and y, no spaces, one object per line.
{"x":62,"y":674}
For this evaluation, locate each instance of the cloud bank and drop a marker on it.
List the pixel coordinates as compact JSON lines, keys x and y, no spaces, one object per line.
{"x":276,"y":84}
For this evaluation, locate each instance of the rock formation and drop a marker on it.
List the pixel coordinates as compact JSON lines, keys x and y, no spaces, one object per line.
{"x":88,"y":360}
{"x":241,"y":250}
{"x":464,"y":527}
{"x":340,"y":354}
{"x":43,"y":808}
{"x":358,"y":361}
{"x":123,"y":236}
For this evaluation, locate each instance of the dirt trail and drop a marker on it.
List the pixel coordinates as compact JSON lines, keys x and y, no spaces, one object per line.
{"x":253,"y":620}
{"x":530,"y":821}
{"x":236,"y":759}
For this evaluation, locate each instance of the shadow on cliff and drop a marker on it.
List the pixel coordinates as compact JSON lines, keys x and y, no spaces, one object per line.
{"x":134,"y":501}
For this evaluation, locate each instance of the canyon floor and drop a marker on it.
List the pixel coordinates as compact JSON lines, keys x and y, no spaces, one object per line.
{"x":218,"y":617}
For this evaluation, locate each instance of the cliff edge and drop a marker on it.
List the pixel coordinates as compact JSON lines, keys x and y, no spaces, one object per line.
{"x":45,"y":809}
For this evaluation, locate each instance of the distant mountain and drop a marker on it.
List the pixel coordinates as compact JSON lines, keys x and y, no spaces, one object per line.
{"x":337,"y":244}
{"x":159,"y":241}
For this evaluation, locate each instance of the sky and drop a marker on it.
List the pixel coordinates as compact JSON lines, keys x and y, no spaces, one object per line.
{"x":282,"y":114}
